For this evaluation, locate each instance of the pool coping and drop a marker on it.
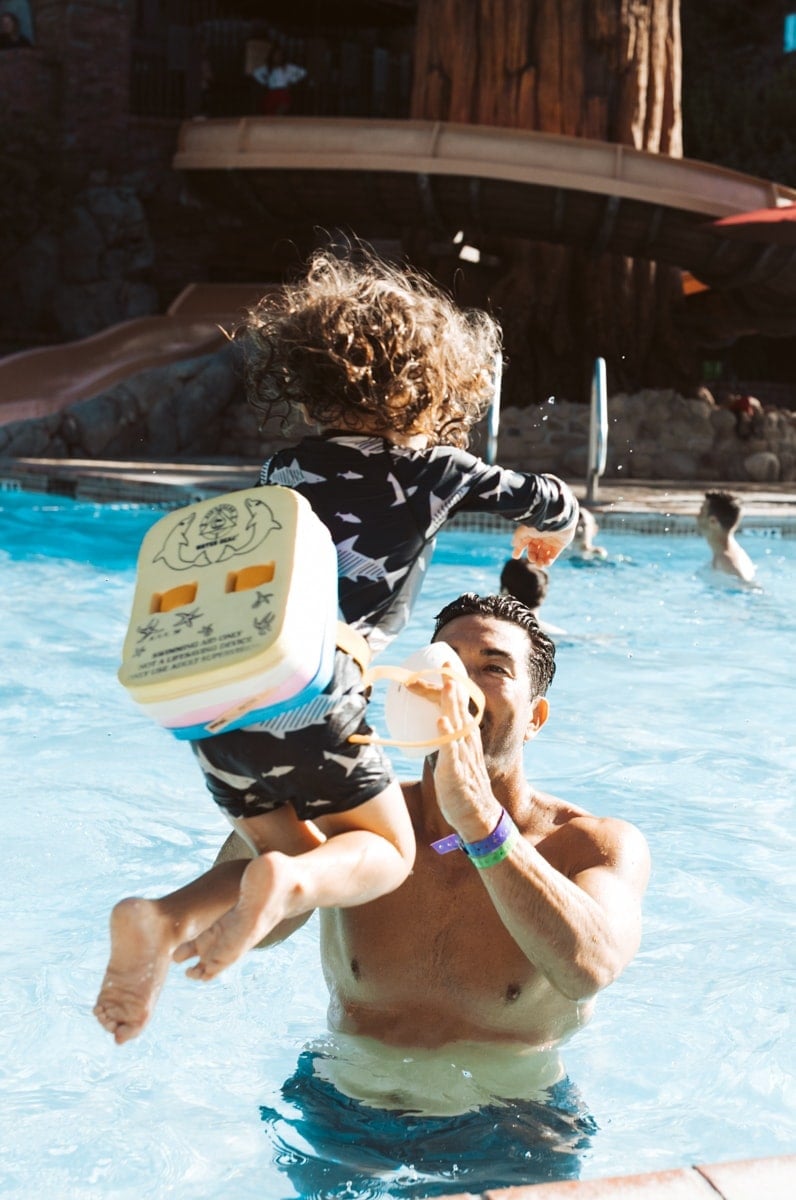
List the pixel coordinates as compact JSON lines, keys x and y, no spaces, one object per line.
{"x":631,"y":506}
{"x":744,"y":1179}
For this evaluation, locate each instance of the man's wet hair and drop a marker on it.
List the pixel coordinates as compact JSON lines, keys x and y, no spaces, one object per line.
{"x":524,"y":581}
{"x":725,"y":507}
{"x":541,"y":650}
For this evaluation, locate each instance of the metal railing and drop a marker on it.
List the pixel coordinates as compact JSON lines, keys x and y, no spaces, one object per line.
{"x":598,"y":430}
{"x":493,"y":415}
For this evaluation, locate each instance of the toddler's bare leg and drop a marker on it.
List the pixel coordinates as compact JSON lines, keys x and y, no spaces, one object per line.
{"x":271,"y":839}
{"x":144,"y":934}
{"x":369,"y":852}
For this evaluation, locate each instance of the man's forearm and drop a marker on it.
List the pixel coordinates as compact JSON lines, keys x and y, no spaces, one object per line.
{"x":580,"y":944}
{"x":559,"y":927}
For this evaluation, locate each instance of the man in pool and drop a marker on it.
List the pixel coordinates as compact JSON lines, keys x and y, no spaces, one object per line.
{"x":717,"y":521}
{"x":520,"y":907}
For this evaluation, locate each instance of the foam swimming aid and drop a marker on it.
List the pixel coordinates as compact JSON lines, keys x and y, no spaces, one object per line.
{"x":235,"y":620}
{"x":234,"y":616}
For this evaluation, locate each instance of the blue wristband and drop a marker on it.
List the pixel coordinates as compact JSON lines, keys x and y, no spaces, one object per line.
{"x":487,"y":845}
{"x":497,"y":837}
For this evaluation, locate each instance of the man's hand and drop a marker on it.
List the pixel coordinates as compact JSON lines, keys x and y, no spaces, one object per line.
{"x":542,"y":546}
{"x":464,"y":793}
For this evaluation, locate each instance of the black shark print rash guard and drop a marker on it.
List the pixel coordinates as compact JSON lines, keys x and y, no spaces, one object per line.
{"x":384,"y":504}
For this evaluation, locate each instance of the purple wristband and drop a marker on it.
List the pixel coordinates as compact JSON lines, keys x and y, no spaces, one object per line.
{"x":497,"y":837}
{"x":446,"y":844}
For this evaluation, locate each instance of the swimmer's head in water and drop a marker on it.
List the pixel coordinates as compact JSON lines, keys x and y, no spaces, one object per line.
{"x":524,"y":581}
{"x":363,"y":345}
{"x":586,"y":528}
{"x":725,"y":507}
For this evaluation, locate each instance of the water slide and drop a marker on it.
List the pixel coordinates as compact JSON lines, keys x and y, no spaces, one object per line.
{"x":378,"y":176}
{"x":35,"y":383}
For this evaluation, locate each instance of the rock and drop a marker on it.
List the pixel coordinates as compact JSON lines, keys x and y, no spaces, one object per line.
{"x":763,"y":467}
{"x":787,"y":466}
{"x":722,"y":421}
{"x":83,"y":309}
{"x":82,"y":246}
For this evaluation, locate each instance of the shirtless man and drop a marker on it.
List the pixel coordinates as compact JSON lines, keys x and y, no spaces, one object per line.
{"x":504,"y":943}
{"x":717,"y":521}
{"x":511,"y":952}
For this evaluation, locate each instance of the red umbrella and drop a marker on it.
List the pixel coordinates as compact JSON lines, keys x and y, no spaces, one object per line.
{"x":760,"y":225}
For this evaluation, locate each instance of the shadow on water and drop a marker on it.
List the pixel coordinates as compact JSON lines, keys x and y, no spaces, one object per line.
{"x":331,"y":1146}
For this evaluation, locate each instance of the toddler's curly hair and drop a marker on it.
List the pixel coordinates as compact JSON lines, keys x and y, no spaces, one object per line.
{"x":367,"y":344}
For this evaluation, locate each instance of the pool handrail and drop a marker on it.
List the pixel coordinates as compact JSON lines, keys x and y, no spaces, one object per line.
{"x":598,"y":430}
{"x":493,"y":415}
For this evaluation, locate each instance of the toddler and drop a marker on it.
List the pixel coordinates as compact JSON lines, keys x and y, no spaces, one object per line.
{"x":391,"y":376}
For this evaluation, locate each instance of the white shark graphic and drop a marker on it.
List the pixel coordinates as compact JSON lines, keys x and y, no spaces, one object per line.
{"x":497,"y":490}
{"x":293,"y":474}
{"x":353,"y":565}
{"x":347,"y":764}
{"x":366,"y":446}
{"x":239,"y":782}
{"x":398,"y":491}
{"x":314,"y":713}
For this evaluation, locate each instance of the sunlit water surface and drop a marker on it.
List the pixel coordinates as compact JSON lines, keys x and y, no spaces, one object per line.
{"x":673,"y":707}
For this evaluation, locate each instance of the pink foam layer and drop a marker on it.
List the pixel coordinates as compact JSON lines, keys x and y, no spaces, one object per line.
{"x":209,"y":712}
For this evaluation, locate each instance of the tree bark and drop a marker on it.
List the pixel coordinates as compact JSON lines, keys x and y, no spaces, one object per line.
{"x":603,"y":69}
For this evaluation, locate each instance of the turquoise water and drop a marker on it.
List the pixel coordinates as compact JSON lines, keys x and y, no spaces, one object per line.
{"x":673,"y":707}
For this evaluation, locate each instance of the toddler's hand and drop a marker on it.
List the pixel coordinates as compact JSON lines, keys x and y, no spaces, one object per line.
{"x":542,"y":547}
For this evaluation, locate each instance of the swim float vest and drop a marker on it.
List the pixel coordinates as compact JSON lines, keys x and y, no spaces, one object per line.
{"x":235,"y":620}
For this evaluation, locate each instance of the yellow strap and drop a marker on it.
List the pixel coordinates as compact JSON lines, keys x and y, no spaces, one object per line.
{"x":354,"y":644}
{"x":406,"y":677}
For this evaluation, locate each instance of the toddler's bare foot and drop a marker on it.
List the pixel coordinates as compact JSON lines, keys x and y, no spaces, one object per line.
{"x":228,"y":938}
{"x":140,"y":957}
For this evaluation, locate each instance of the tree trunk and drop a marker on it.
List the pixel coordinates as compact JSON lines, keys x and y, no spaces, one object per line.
{"x":601,"y":69}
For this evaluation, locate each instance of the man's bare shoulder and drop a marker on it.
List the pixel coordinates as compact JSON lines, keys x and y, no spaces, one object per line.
{"x":575,"y":840}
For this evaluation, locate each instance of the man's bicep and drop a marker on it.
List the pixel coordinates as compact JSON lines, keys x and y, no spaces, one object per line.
{"x":617,"y":880}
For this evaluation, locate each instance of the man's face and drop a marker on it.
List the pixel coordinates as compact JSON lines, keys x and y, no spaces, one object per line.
{"x":703,"y":517}
{"x":495,"y":655}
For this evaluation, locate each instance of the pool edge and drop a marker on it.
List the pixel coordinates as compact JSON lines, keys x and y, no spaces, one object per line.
{"x":772,"y":1178}
{"x":628,"y":506}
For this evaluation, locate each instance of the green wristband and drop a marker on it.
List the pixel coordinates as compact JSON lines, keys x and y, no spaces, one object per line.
{"x":497,"y":856}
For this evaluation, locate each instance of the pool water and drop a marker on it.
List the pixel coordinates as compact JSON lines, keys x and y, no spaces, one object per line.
{"x":673,"y":707}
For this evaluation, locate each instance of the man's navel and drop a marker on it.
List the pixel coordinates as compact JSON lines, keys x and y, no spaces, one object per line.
{"x":512,"y":993}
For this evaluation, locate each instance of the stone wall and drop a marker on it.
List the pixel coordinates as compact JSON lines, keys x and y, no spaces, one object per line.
{"x":28,"y":81}
{"x":196,"y":410}
{"x":653,"y":435}
{"x":90,"y":41}
{"x":90,"y":271}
